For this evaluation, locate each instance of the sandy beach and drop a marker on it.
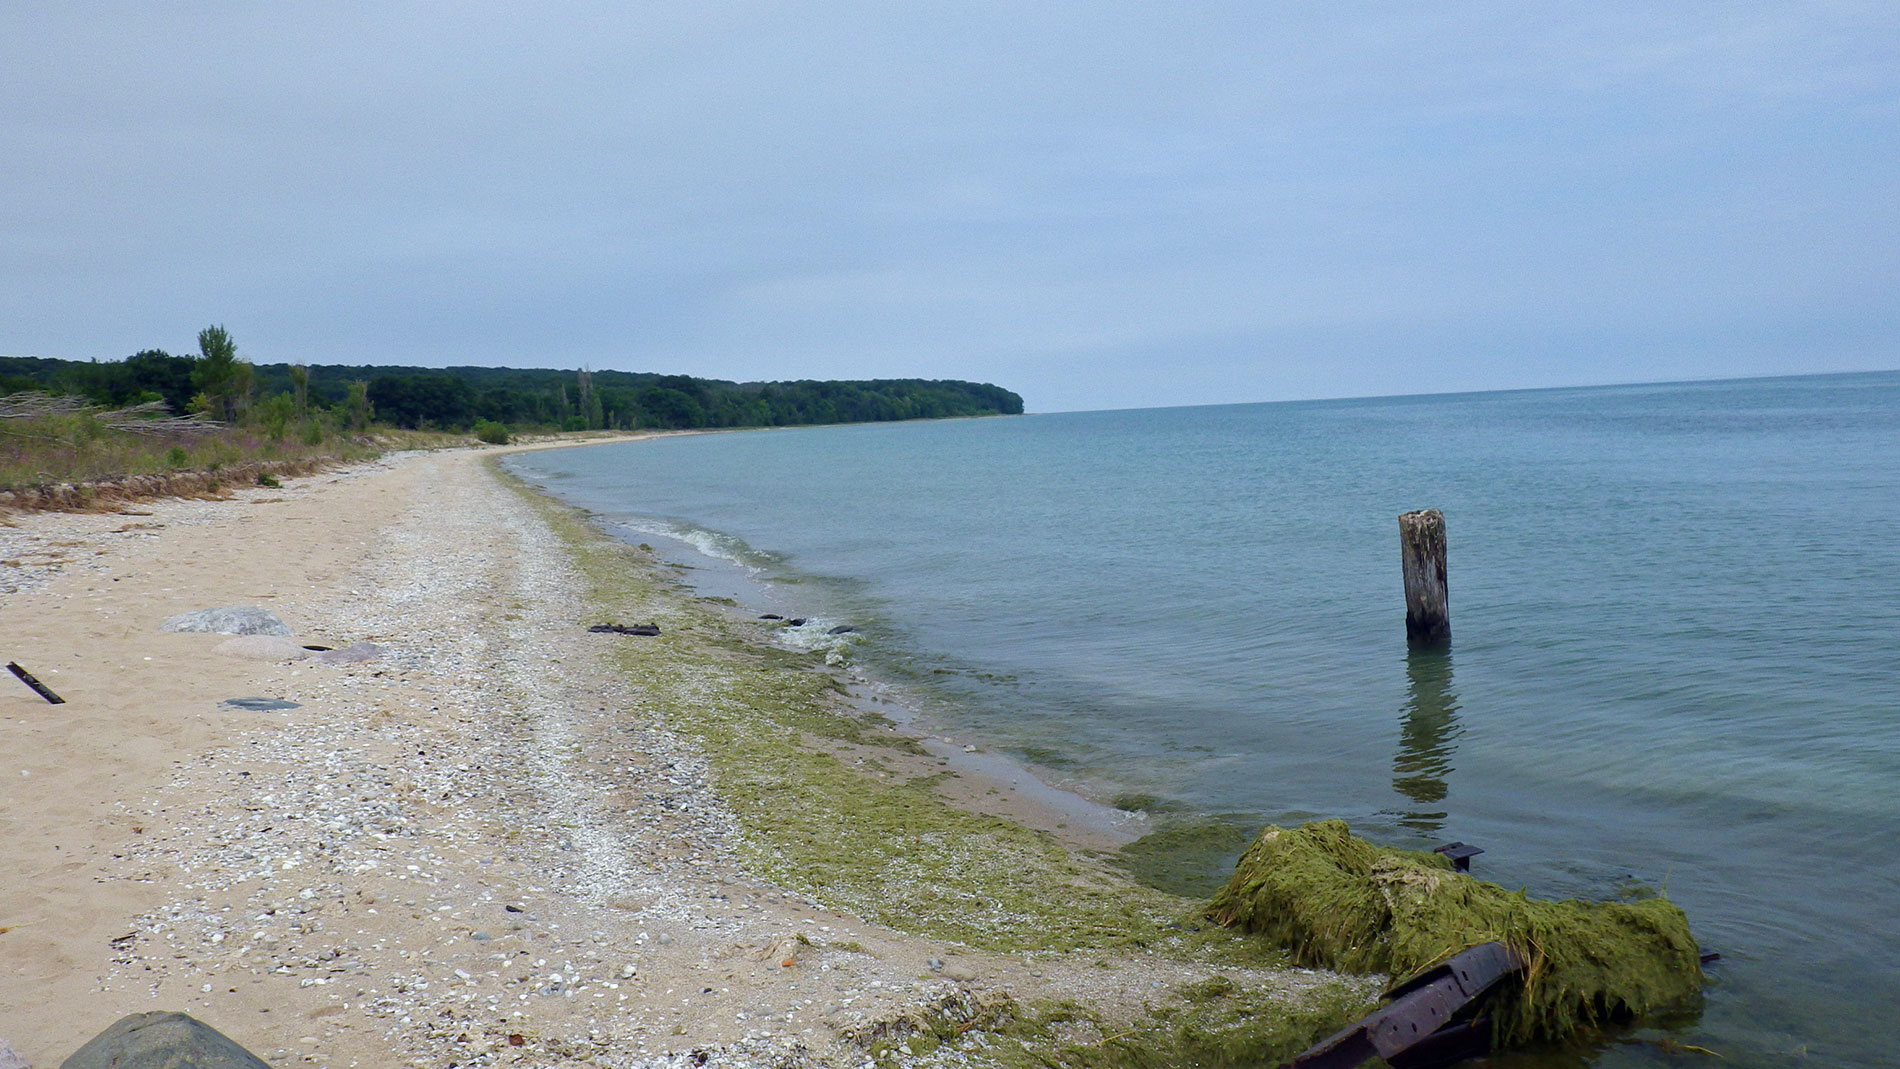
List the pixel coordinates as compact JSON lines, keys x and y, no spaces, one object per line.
{"x":483,"y":847}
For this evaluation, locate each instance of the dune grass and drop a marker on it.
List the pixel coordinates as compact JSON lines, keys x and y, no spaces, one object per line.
{"x":50,"y":441}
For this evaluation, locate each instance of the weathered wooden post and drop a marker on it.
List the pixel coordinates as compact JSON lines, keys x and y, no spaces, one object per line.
{"x":1427,"y":607}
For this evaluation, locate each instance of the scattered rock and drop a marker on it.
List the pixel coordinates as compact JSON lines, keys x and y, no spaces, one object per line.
{"x":796,"y":622}
{"x":160,"y":1040}
{"x":260,"y":705}
{"x":959,"y":973}
{"x":263,"y":648}
{"x":229,"y":620}
{"x":649,"y":630}
{"x":771,"y":616}
{"x":12,"y":1059}
{"x":354,"y":653}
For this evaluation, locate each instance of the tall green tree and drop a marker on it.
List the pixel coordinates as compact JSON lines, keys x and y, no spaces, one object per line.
{"x":300,"y":388}
{"x":218,"y":375}
{"x":357,"y":409}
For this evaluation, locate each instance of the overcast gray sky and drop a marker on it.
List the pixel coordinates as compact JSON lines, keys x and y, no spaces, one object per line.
{"x":1097,"y":205}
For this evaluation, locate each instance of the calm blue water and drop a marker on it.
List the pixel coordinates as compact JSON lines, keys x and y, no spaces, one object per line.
{"x":1675,"y":613}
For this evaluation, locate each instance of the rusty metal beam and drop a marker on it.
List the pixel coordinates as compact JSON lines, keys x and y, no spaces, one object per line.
{"x":1416,"y":1011}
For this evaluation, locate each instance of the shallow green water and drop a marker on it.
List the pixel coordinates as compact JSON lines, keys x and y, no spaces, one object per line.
{"x":1676,"y":621}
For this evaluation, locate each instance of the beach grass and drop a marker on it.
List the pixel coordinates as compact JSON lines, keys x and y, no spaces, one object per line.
{"x":82,"y":450}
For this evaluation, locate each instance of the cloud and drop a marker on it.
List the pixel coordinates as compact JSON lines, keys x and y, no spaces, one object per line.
{"x":1245,"y":204}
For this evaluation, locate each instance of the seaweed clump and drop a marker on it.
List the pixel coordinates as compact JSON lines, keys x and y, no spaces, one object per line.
{"x":1336,"y":901}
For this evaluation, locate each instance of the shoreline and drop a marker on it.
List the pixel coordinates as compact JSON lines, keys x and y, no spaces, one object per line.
{"x":495,"y":831}
{"x":1027,"y":795}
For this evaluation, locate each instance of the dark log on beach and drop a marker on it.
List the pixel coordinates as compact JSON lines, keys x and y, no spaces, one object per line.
{"x":39,"y":688}
{"x":1427,"y":605}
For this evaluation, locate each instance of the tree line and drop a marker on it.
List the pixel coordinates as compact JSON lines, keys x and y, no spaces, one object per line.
{"x":221,"y":384}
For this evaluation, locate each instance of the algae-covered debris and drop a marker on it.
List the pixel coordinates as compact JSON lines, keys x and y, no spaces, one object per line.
{"x":1336,"y":901}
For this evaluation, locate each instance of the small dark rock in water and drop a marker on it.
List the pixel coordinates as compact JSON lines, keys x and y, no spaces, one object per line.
{"x":648,"y":630}
{"x":160,"y":1039}
{"x":841,"y":629}
{"x":771,"y":616}
{"x":800,"y":622}
{"x":262,"y":705}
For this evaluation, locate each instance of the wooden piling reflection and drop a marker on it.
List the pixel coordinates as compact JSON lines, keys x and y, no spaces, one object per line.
{"x":1428,"y":737}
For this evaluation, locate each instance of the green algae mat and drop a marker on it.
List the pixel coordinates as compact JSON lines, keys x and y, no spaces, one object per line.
{"x":1336,"y":901}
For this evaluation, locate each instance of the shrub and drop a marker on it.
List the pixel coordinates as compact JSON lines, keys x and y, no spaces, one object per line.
{"x":491,"y":432}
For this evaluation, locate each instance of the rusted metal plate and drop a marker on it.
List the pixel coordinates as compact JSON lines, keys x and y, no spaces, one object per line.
{"x":1460,"y":854}
{"x":1416,"y":1011}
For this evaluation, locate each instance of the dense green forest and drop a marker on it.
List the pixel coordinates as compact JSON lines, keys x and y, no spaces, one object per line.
{"x":219,"y":384}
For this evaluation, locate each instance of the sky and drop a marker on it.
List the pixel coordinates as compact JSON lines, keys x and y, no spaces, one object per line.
{"x":1096,"y":205}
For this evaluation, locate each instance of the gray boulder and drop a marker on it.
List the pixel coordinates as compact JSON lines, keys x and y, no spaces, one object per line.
{"x":162,"y":1040}
{"x":229,"y":620}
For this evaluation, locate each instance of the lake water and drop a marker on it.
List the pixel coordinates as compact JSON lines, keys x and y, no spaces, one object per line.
{"x":1675,"y":614}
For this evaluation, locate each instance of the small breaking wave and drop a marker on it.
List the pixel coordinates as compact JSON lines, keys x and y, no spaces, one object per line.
{"x":714,"y":544}
{"x":819,"y":634}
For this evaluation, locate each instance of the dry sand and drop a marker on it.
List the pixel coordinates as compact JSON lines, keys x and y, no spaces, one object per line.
{"x":472,"y":851}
